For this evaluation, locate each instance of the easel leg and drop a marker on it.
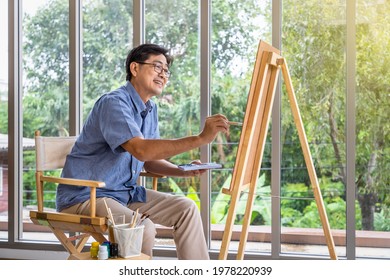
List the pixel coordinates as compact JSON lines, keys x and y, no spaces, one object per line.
{"x":227,"y":235}
{"x":272,"y":72}
{"x":308,"y":160}
{"x":246,"y":223}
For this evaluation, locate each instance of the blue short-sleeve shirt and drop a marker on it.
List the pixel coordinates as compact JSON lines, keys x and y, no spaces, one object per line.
{"x":116,"y":117}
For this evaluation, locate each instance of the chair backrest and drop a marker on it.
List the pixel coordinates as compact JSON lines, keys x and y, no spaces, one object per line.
{"x":51,"y":152}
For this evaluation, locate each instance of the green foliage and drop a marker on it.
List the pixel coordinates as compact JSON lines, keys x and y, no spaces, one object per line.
{"x":382,"y":219}
{"x":295,"y":196}
{"x":175,"y":188}
{"x":261,"y":212}
{"x":331,"y":189}
{"x":336,"y":212}
{"x":299,"y":208}
{"x":191,"y":194}
{"x":29,"y":185}
{"x":315,"y":50}
{"x":3,"y":117}
{"x":289,"y":216}
{"x":220,"y":205}
{"x":107,"y":38}
{"x":54,"y":122}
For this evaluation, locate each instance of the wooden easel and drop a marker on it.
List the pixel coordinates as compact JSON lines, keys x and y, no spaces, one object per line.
{"x":251,"y":148}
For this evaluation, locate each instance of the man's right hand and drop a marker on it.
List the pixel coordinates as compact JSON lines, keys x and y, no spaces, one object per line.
{"x":213,"y":125}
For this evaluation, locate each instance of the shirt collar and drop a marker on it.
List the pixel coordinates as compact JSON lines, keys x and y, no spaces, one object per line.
{"x":142,"y":108}
{"x":148,"y":109}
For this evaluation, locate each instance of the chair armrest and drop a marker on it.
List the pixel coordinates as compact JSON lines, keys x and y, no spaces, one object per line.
{"x":74,"y":182}
{"x":154,"y":176}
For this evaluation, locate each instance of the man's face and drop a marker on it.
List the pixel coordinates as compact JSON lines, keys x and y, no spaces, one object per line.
{"x":150,"y":76}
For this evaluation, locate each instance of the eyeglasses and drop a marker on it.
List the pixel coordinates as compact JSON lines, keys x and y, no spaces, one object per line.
{"x":158,"y":68}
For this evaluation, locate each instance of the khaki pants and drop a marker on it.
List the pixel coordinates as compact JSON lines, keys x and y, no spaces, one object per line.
{"x":168,"y":210}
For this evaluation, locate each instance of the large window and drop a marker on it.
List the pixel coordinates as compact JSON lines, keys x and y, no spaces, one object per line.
{"x":236,"y":31}
{"x":327,"y":51}
{"x":179,"y":104}
{"x":372,"y":128}
{"x":45,"y":93}
{"x":314,"y":47}
{"x":107,"y":37}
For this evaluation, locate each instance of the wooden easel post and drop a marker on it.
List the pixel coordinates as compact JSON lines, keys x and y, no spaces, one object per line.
{"x":308,"y":159}
{"x":251,"y":148}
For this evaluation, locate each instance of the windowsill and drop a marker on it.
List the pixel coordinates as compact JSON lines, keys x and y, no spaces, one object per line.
{"x":311,"y":236}
{"x":298,"y":236}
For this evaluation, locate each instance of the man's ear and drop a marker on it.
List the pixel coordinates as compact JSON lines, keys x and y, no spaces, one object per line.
{"x":134,"y":67}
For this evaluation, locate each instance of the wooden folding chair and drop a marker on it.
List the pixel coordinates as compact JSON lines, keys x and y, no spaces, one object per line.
{"x":51,"y":153}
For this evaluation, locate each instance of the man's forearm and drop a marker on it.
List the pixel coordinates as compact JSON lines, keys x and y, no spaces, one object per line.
{"x":156,"y":149}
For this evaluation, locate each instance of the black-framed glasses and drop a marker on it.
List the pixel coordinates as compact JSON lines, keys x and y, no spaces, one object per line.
{"x":158,"y":68}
